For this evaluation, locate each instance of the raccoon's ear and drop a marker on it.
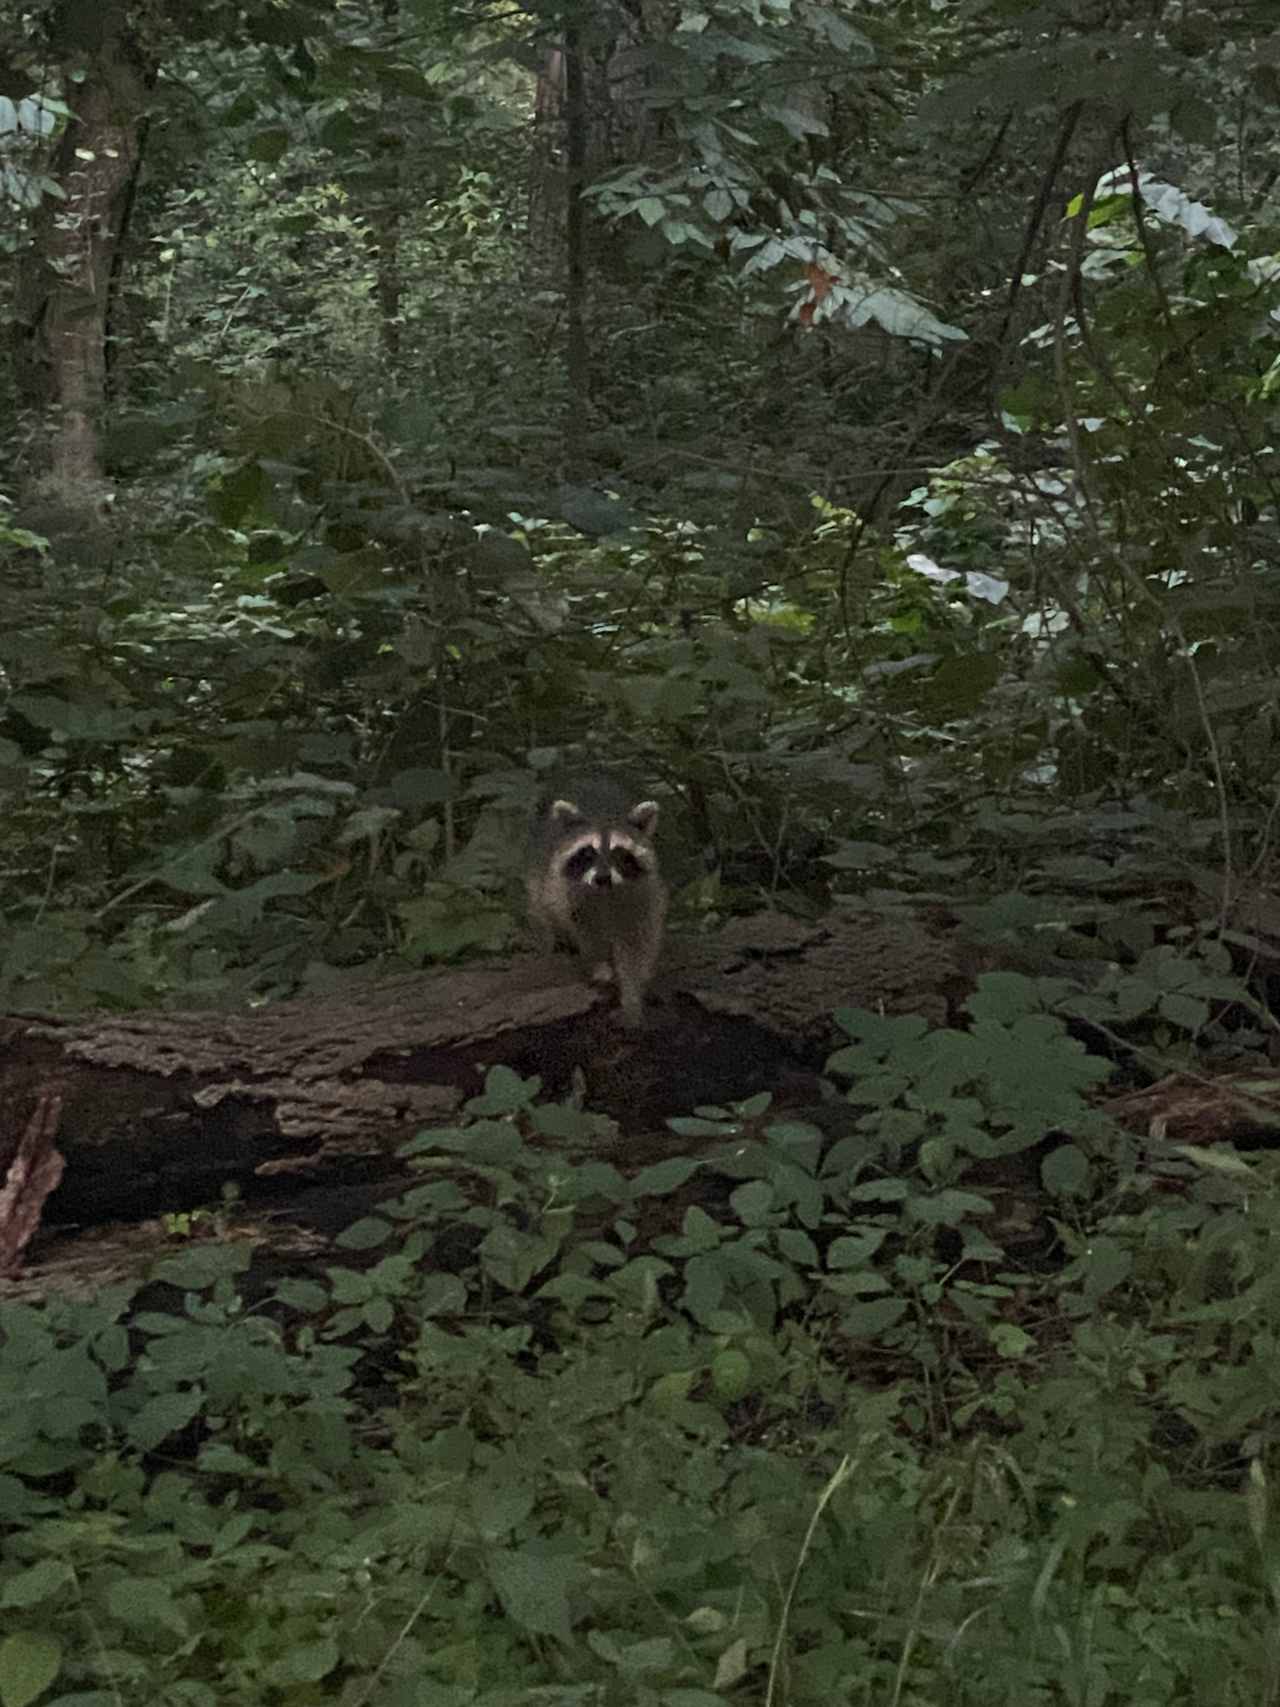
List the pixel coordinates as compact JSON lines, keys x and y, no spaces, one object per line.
{"x":643,"y":818}
{"x":564,"y":812}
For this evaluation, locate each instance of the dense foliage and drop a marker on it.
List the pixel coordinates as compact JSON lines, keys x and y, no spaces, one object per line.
{"x":544,"y":1439}
{"x":922,"y":519}
{"x":861,"y":421}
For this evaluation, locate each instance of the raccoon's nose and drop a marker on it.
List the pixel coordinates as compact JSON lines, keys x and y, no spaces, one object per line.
{"x":600,"y":878}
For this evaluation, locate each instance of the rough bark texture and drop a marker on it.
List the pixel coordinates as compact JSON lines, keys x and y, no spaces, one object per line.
{"x":577,"y":371}
{"x":158,"y":1110}
{"x":614,"y":49}
{"x":66,"y":294}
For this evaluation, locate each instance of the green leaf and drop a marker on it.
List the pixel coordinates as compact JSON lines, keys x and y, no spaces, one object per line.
{"x":673,"y":1389}
{"x":490,"y":1144}
{"x":535,"y":1584}
{"x":753,"y":1203}
{"x":201,"y":1266}
{"x":41,"y":1582}
{"x":690,"y":1126}
{"x":442,"y":1295}
{"x":144,"y":1604}
{"x":797,"y":1246}
{"x":854,"y":1250}
{"x":575,"y":1125}
{"x":448,"y":920}
{"x":796,"y":123}
{"x":864,"y":1321}
{"x":731,"y":1374}
{"x":364,"y":1235}
{"x":881,"y":1191}
{"x":268,"y":146}
{"x":1186,"y":1011}
{"x":1106,"y":1265}
{"x":305,"y":1295}
{"x":29,"y":1662}
{"x":231,"y":1534}
{"x":307,"y":1662}
{"x":219,"y":1460}
{"x":662,"y":1178}
{"x":1004,"y":997}
{"x":505,"y":1092}
{"x":236,"y":495}
{"x":513,"y":1258}
{"x":948,"y":1208}
{"x":379,"y":1315}
{"x":1011,"y":1341}
{"x":1065,"y":1171}
{"x":1221,"y":1159}
{"x":704,"y":1285}
{"x":503,"y":1499}
{"x":165,"y":1414}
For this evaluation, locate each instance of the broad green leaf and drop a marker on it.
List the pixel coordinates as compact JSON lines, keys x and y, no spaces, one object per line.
{"x":865,"y":1321}
{"x":165,"y":1414}
{"x":29,"y":1662}
{"x":143,"y":1603}
{"x":535,"y":1584}
{"x":40,"y":1582}
{"x":1065,"y":1171}
{"x":306,"y":1662}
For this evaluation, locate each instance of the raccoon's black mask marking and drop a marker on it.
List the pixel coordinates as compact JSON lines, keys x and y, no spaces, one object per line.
{"x":604,"y":859}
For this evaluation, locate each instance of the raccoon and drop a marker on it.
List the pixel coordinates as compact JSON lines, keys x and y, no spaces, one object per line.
{"x":592,"y":880}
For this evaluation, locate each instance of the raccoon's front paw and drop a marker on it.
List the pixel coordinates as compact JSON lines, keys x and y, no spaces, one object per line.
{"x":602,"y":973}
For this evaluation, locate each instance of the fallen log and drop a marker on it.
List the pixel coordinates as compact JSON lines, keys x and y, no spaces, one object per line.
{"x":156,"y":1111}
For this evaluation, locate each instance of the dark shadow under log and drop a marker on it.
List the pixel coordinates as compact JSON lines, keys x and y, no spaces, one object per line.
{"x":159,"y":1110}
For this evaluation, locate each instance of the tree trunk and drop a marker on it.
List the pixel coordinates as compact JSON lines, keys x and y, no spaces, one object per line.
{"x":576,"y":360}
{"x":386,"y":217}
{"x":67,"y":291}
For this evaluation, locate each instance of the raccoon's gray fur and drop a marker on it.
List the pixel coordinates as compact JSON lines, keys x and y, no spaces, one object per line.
{"x":592,"y":880}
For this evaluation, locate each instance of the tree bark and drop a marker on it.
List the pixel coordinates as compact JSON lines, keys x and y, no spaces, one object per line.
{"x":156,"y":1112}
{"x":576,"y":358}
{"x":67,"y":291}
{"x":386,"y":217}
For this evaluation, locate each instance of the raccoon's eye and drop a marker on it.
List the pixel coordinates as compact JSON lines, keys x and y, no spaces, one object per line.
{"x":625,"y":863}
{"x":579,"y":864}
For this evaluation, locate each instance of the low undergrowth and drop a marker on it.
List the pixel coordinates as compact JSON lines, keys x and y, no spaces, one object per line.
{"x":957,"y":1396}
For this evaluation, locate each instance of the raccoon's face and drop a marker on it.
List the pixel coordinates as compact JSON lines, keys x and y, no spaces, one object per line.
{"x":603,"y":856}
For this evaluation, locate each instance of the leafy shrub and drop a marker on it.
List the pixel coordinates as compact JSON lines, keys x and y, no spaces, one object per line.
{"x":778,"y":1416}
